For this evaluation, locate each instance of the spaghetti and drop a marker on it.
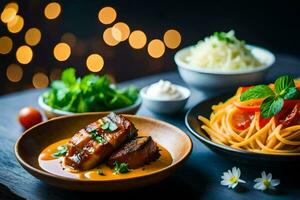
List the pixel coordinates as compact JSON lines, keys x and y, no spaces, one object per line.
{"x":243,"y":127}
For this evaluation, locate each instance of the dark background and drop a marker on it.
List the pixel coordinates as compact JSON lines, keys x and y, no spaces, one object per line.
{"x":274,"y":25}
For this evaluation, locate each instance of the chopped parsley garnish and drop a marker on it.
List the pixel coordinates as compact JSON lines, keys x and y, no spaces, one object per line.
{"x":120,"y":168}
{"x":222,"y":36}
{"x":95,"y":136}
{"x":61,"y":151}
{"x":273,"y":103}
{"x":100,"y":172}
{"x":108,"y":124}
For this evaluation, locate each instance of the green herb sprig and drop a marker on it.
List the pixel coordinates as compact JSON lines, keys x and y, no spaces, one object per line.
{"x":61,"y":151}
{"x":222,"y":36}
{"x":120,"y":168}
{"x":108,"y":124}
{"x":284,"y":89}
{"x":95,"y":136}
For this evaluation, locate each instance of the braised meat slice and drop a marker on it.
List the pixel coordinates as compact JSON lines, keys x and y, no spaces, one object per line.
{"x":94,"y":143}
{"x":136,"y":153}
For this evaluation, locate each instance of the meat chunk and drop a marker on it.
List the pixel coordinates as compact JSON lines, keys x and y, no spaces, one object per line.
{"x":136,"y":153}
{"x":92,"y":144}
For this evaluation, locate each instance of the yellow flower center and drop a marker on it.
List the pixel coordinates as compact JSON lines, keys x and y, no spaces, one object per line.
{"x":233,"y":179}
{"x":266,"y":182}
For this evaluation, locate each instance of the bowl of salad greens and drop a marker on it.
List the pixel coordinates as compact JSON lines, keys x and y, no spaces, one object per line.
{"x":91,"y":93}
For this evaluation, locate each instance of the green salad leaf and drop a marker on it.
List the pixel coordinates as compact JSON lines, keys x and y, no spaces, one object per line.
{"x":88,"y":94}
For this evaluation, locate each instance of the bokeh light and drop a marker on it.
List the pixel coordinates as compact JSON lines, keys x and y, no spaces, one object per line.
{"x":55,"y":74}
{"x":62,"y":51}
{"x":8,"y":15}
{"x":15,"y":25}
{"x":156,"y":48}
{"x":107,"y":15}
{"x":33,"y":36}
{"x":24,"y":54}
{"x":172,"y":39}
{"x":69,"y":38}
{"x":52,"y":10}
{"x":137,"y":39}
{"x":94,"y":62}
{"x":13,"y":5}
{"x":6,"y":45}
{"x":109,"y":38}
{"x":14,"y":73}
{"x":40,"y":80}
{"x":120,"y":31}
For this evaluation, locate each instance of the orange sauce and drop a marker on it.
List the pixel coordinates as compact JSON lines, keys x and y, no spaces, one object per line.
{"x":54,"y":166}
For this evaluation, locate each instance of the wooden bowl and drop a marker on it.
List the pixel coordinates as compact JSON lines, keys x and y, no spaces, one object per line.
{"x":34,"y":140}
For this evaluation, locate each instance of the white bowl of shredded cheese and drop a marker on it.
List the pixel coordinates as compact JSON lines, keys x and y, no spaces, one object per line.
{"x":223,"y":61}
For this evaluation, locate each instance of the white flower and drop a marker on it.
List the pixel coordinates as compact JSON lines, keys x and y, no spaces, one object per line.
{"x":266,"y":182}
{"x":232,"y":178}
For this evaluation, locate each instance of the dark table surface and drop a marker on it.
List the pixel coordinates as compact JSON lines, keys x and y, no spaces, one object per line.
{"x":198,"y":178}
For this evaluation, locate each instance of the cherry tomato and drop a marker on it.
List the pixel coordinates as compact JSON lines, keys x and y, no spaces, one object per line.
{"x":29,"y":117}
{"x":263,"y":121}
{"x":245,"y":88}
{"x":242,"y":120}
{"x":289,"y":117}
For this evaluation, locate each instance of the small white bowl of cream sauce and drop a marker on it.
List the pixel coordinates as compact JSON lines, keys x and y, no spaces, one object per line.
{"x":164,"y":97}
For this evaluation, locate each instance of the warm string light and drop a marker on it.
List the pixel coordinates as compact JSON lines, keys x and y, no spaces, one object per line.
{"x":14,"y":73}
{"x":40,"y":80}
{"x":156,"y":48}
{"x":112,"y":36}
{"x":33,"y":36}
{"x":6,"y":45}
{"x":62,"y":51}
{"x":172,"y":39}
{"x":24,"y":54}
{"x":137,"y":39}
{"x":52,"y":10}
{"x":107,"y":15}
{"x":108,"y":37}
{"x":8,"y":15}
{"x":120,"y":31}
{"x":95,"y":63}
{"x":16,"y":24}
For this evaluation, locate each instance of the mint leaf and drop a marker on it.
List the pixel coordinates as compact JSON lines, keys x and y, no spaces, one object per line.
{"x":282,"y":84}
{"x":292,"y":93}
{"x":271,"y":106}
{"x":256,"y":92}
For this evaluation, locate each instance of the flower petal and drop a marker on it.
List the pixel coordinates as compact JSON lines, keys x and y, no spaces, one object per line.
{"x":263,"y":175}
{"x":241,"y":181}
{"x":234,"y":171}
{"x":260,"y":186}
{"x":275,"y":182}
{"x":224,"y":182}
{"x":257,"y":180}
{"x":234,"y":185}
{"x":238,"y":172}
{"x":269,"y":176}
